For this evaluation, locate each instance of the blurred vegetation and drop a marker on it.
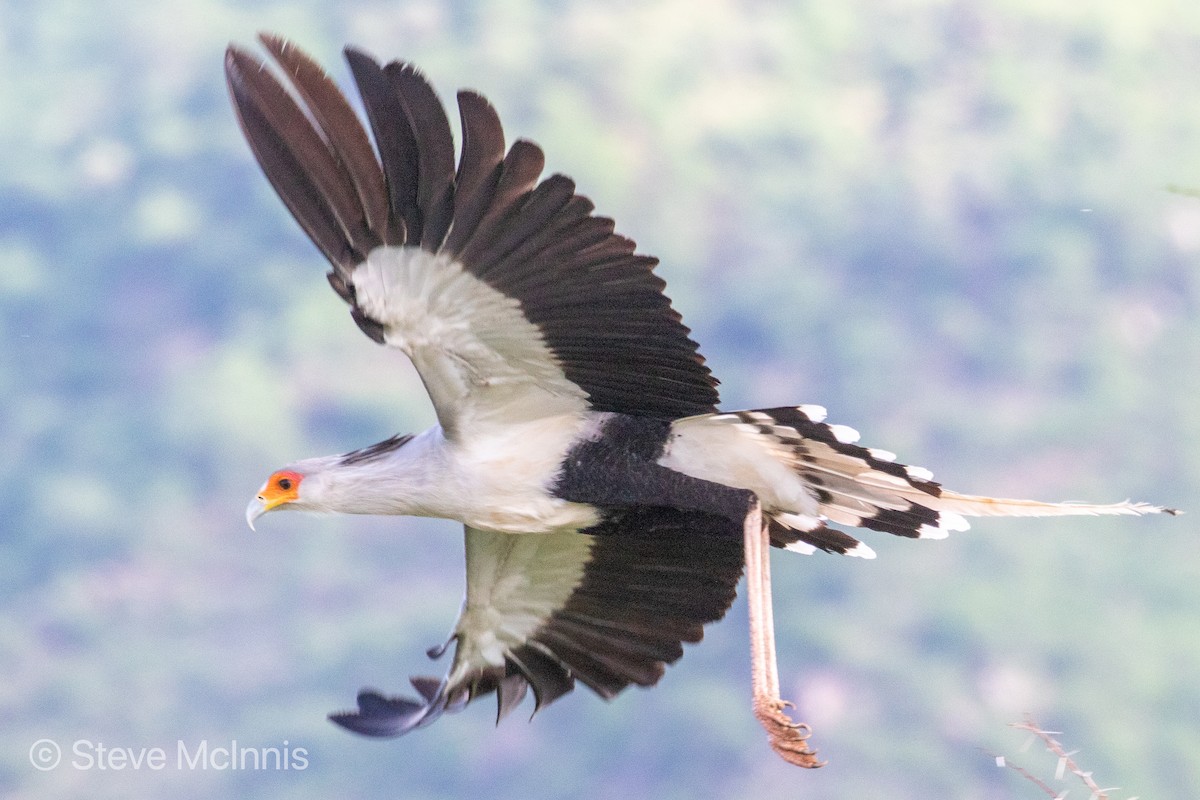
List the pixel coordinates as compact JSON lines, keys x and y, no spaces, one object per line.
{"x":965,"y":227}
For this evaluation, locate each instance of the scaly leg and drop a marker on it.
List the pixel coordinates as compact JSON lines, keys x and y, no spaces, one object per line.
{"x":789,"y":739}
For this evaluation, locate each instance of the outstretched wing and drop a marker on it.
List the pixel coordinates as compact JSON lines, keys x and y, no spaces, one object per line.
{"x":609,"y":606}
{"x":509,"y":295}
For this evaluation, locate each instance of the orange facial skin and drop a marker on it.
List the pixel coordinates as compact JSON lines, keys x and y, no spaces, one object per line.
{"x":282,"y":487}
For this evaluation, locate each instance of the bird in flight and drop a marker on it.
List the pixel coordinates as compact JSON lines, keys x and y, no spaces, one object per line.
{"x":609,"y":506}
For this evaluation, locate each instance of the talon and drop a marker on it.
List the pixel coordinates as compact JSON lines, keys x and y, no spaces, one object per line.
{"x":803,"y":751}
{"x":777,"y":714}
{"x":788,"y":738}
{"x":797,"y":753}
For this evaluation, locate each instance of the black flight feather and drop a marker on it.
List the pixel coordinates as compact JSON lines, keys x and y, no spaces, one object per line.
{"x":344,"y":134}
{"x":395,"y":140}
{"x":479,"y":167}
{"x":292,"y":156}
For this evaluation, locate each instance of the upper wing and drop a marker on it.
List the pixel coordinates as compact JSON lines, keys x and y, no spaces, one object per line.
{"x":507,"y":292}
{"x":610,"y":606}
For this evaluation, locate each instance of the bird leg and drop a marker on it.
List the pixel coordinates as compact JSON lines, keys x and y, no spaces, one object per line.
{"x":788,"y":738}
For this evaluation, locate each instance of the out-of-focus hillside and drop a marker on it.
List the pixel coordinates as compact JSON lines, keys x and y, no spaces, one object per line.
{"x":949,"y":222}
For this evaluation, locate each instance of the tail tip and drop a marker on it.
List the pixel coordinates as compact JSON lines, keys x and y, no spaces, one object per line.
{"x":1150,"y":508}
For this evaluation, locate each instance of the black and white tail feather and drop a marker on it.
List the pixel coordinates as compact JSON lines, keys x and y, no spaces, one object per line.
{"x":864,"y":487}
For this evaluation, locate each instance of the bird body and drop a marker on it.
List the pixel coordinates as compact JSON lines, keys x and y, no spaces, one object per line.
{"x":561,"y":473}
{"x":609,"y":507}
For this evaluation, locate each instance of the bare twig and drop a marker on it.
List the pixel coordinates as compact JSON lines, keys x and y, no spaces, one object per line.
{"x":1065,"y":764}
{"x":1001,"y":761}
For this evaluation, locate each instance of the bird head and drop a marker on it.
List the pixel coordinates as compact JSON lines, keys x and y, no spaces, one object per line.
{"x":280,"y":490}
{"x":381,"y":479}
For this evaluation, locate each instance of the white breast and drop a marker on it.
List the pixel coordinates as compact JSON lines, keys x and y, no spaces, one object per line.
{"x":511,"y":472}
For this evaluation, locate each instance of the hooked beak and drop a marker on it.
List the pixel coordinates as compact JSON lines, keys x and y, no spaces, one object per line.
{"x":255,"y":510}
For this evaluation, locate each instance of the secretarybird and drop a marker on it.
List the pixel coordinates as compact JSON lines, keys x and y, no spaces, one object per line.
{"x":609,"y":506}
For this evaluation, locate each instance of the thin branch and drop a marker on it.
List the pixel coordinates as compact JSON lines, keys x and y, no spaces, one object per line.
{"x":1065,"y":764}
{"x":1001,"y":761}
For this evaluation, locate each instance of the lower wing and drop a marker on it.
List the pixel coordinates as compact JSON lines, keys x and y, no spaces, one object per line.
{"x":609,"y":606}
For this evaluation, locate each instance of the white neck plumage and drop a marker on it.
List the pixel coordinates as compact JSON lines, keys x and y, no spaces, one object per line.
{"x":400,"y":476}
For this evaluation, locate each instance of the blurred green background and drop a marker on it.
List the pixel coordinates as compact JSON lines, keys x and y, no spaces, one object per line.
{"x":971,"y":229}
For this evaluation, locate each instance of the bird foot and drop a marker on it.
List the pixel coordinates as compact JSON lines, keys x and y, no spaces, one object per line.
{"x":788,"y":738}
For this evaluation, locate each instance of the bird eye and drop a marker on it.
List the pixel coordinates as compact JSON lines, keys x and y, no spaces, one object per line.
{"x":284,"y":483}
